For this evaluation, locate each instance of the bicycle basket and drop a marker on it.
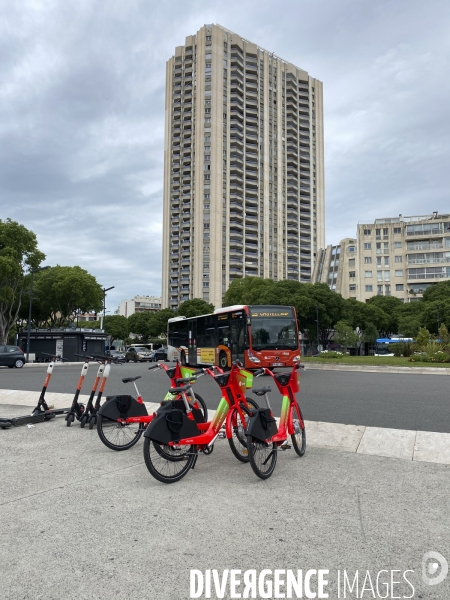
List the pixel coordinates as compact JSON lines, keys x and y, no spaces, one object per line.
{"x":222,"y":379}
{"x":267,"y":419}
{"x":283,"y":378}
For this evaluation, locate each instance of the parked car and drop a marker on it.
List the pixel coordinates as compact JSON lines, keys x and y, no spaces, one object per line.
{"x":12,"y":356}
{"x":138,"y":354}
{"x":116,"y":355}
{"x":160,"y":354}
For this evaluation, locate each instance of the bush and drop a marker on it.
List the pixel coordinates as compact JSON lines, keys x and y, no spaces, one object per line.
{"x":331,"y":354}
{"x":402,"y":349}
{"x":436,"y":357}
{"x":396,"y":349}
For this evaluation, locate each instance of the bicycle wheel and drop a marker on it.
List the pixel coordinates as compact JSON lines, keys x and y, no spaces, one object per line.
{"x":263,"y":457}
{"x":164,"y":465}
{"x":299,"y":435}
{"x":118,"y":436}
{"x":238,"y":439}
{"x":201,"y":404}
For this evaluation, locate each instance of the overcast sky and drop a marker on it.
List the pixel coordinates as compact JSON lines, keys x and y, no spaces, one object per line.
{"x":82,"y":116}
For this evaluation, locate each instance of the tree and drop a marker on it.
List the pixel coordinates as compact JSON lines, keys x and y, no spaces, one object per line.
{"x":247,"y":290}
{"x":370,"y":334}
{"x":62,"y":291}
{"x":387,"y":321}
{"x":160,"y":323}
{"x":19,"y":253}
{"x":440,"y":291}
{"x":194,"y":308}
{"x":436,"y":312}
{"x":116,"y":326}
{"x":345,"y":335}
{"x":422,"y":338}
{"x":142,"y":324}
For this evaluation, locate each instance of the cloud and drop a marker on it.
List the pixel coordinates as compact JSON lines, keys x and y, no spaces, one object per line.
{"x":82,"y":116}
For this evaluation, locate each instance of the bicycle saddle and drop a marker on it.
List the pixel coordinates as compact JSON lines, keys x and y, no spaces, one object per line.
{"x":178,"y":390}
{"x":261,"y":391}
{"x":128,"y":379}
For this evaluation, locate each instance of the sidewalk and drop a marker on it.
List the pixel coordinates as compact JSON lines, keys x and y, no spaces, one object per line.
{"x":424,"y":446}
{"x":379,"y":369}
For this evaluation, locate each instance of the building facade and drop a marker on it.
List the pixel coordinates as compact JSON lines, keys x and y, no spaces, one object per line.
{"x":397,"y":256}
{"x":243,"y":167}
{"x":138,"y":304}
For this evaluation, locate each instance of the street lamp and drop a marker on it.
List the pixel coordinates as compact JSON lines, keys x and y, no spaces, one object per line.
{"x":32,"y":271}
{"x":104,"y":304}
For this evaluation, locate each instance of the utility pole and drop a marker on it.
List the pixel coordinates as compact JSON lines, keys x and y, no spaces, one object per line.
{"x":32,"y":271}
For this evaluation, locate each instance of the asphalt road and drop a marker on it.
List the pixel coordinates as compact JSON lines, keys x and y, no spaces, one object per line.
{"x":79,"y":521}
{"x":416,"y":402}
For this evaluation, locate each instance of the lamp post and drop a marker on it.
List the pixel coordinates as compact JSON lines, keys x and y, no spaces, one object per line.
{"x":32,"y":271}
{"x":317,"y":325}
{"x":104,"y":304}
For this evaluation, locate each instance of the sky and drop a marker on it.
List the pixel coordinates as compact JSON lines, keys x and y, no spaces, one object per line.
{"x":82,"y":90}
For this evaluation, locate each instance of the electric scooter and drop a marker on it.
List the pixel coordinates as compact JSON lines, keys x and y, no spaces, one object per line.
{"x":42,"y":412}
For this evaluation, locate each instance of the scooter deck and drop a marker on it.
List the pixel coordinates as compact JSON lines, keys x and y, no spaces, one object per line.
{"x":38,"y":417}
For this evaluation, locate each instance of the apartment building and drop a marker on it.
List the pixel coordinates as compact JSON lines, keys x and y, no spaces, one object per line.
{"x":396,"y":256}
{"x":243,"y":167}
{"x":138,"y":304}
{"x":337,"y":266}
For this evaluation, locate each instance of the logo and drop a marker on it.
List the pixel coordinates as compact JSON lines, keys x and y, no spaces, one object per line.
{"x":434,"y":568}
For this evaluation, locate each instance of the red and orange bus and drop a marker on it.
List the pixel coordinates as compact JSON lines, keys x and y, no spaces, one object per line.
{"x":258,"y":336}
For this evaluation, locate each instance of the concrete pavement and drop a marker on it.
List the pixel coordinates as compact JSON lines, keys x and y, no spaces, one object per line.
{"x":81,"y":522}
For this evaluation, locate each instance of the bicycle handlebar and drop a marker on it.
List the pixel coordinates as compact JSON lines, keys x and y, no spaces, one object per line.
{"x":55,"y":357}
{"x":259,"y":372}
{"x":157,"y":366}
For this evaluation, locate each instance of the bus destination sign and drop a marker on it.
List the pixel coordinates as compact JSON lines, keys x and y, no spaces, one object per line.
{"x":272,"y":313}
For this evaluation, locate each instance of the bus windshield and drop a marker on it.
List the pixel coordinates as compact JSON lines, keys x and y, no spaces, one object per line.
{"x":274,"y":333}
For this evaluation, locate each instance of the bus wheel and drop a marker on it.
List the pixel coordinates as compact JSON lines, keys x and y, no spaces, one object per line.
{"x":223,"y":361}
{"x":183,"y":358}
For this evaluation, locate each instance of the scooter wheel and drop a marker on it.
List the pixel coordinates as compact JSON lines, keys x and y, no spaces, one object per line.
{"x":83,"y":421}
{"x":70,"y":419}
{"x":92,"y":422}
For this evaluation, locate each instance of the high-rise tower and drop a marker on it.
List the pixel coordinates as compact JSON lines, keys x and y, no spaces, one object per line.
{"x":243,"y":167}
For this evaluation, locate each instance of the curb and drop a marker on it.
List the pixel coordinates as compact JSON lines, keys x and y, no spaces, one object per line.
{"x":380,"y":369}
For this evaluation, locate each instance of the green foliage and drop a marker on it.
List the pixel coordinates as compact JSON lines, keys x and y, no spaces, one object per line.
{"x":370,"y":333}
{"x":409,"y":325}
{"x":438,"y":292}
{"x":384,"y":312}
{"x":396,"y":349}
{"x":422,"y":338}
{"x":116,"y":326}
{"x":19,"y":253}
{"x":62,"y":291}
{"x":247,"y":290}
{"x":345,"y":335}
{"x":195,"y":308}
{"x":444,"y":336}
{"x":435,"y":357}
{"x":89,"y":324}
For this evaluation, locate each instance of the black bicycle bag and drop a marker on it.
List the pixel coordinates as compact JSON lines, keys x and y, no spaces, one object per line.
{"x":122,"y":407}
{"x":171,"y":424}
{"x":261,"y":425}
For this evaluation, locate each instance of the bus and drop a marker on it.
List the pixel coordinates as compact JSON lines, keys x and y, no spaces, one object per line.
{"x":382,"y":345}
{"x":258,"y":336}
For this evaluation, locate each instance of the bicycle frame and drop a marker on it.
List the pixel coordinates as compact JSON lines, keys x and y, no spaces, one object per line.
{"x":232,"y":397}
{"x":288,"y":392}
{"x":177,"y":372}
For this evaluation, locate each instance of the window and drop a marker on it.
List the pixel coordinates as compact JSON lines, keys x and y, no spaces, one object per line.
{"x":379,"y":275}
{"x":380,"y":290}
{"x":367,"y":231}
{"x":351,"y":262}
{"x":399,"y":287}
{"x":397,"y":229}
{"x":387,"y":275}
{"x":398,"y":259}
{"x":378,"y":232}
{"x":378,"y":247}
{"x":367,"y":273}
{"x":368,"y":260}
{"x":351,"y":248}
{"x":397,"y":244}
{"x":369,"y":288}
{"x":352,"y":288}
{"x":367,"y":246}
{"x":379,"y":259}
{"x":385,"y":231}
{"x":352,"y":274}
{"x":386,"y":247}
{"x":399,"y":273}
{"x":206,"y":284}
{"x":208,"y":38}
{"x":386,"y":261}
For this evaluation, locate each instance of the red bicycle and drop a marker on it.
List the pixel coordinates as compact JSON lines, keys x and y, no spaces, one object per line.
{"x":263,"y":436}
{"x":122,"y":420}
{"x":174,"y":438}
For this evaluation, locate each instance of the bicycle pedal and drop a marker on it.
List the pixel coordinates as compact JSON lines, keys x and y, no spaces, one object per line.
{"x":222,"y":435}
{"x":285,"y":446}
